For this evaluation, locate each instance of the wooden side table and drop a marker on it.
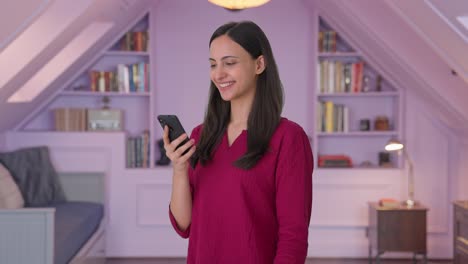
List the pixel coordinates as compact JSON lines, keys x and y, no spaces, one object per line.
{"x":460,"y":232}
{"x":401,"y":229}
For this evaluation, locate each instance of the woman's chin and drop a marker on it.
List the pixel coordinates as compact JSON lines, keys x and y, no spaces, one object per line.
{"x":226,"y":96}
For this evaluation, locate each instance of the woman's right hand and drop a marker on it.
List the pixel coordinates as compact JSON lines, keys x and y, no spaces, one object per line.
{"x":179,"y":161}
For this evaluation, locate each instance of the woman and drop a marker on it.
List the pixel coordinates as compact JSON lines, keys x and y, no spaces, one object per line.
{"x":243,"y":191}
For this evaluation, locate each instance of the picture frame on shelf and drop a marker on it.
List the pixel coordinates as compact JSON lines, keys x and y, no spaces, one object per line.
{"x":105,"y":120}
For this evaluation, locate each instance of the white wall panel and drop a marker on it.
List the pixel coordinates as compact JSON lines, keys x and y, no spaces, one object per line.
{"x":152,"y":205}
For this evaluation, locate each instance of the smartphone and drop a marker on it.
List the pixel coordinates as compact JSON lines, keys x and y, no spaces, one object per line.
{"x":175,"y":128}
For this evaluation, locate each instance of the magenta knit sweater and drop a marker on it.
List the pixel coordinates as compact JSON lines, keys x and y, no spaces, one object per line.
{"x":252,"y":216}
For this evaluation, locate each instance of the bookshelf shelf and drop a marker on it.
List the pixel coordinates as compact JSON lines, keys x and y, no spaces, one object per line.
{"x":98,"y":94}
{"x":359,"y":94}
{"x":350,"y":94}
{"x":127,"y":156}
{"x":126,"y":53}
{"x":114,"y":91}
{"x":339,"y":54}
{"x":358,"y":134}
{"x":356,"y":168}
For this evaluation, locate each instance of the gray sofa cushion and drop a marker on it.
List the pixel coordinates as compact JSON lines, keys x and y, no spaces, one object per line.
{"x":35,"y":175}
{"x":75,"y":223}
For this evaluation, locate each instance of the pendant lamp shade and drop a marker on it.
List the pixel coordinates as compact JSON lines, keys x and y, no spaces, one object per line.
{"x":238,"y":4}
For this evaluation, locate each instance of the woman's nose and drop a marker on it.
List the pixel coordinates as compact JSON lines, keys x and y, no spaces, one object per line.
{"x":219,"y":73}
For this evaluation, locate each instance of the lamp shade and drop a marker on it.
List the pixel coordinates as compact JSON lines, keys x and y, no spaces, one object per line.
{"x":238,"y":4}
{"x":394,"y":145}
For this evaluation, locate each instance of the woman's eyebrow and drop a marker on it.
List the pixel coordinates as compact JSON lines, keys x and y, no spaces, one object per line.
{"x":225,"y":57}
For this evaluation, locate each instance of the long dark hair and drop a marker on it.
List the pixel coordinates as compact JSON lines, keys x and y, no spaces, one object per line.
{"x":267,"y":104}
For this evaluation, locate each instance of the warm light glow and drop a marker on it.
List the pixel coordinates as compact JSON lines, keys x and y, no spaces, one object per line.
{"x":394,"y":145}
{"x":238,"y":4}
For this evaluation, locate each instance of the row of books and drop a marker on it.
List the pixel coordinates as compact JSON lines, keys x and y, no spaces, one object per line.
{"x":327,"y":41}
{"x":134,"y":41}
{"x":332,"y":117}
{"x":138,"y":150}
{"x":70,"y":119}
{"x":127,"y":79}
{"x":340,"y":77}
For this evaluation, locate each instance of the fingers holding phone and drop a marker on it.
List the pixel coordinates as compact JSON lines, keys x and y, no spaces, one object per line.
{"x":178,"y":151}
{"x":176,"y":142}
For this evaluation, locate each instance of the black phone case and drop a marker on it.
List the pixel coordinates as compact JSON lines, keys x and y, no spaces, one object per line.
{"x":175,"y":128}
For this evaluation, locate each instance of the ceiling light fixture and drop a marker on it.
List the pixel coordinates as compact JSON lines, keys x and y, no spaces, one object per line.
{"x":238,"y":4}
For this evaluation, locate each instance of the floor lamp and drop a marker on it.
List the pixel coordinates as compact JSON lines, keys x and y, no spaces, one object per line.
{"x":396,"y":145}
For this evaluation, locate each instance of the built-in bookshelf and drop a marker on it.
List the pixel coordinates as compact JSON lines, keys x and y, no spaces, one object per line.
{"x":115,"y":88}
{"x":357,"y":109}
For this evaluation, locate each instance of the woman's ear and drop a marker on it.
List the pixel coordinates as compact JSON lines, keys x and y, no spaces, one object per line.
{"x":260,"y":64}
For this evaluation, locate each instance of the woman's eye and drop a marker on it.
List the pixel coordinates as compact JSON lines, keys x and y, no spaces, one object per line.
{"x":212,"y":65}
{"x":230,"y":63}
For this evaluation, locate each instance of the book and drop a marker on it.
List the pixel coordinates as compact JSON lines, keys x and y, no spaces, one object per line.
{"x":389,"y":203}
{"x":335,"y":161}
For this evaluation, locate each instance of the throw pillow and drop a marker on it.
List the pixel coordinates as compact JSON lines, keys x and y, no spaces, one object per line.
{"x":10,"y":195}
{"x":35,"y":175}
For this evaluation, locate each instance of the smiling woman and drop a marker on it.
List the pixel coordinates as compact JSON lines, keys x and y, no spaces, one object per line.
{"x":234,"y":75}
{"x":247,"y":196}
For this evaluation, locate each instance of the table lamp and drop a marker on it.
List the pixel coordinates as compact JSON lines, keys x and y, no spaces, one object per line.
{"x":396,"y":145}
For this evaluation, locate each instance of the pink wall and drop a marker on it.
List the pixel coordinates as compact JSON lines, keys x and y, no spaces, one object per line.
{"x":181,"y":36}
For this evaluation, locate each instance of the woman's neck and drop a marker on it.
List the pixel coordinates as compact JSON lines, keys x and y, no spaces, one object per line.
{"x":240,"y":110}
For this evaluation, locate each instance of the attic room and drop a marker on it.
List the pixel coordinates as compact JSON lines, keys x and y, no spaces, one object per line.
{"x":88,"y":175}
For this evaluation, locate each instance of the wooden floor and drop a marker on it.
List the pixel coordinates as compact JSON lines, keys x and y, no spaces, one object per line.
{"x":309,"y":261}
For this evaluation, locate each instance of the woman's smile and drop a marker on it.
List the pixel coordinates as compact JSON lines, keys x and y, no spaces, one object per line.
{"x":225,"y":85}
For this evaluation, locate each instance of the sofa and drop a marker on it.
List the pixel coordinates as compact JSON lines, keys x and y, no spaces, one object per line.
{"x":38,"y":222}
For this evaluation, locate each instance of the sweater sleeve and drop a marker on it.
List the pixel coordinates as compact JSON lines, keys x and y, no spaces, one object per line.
{"x":293,"y":197}
{"x":185,"y":233}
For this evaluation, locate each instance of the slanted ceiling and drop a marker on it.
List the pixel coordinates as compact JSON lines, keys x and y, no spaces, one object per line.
{"x":395,"y":39}
{"x":119,"y":13}
{"x":411,"y":42}
{"x":18,"y":18}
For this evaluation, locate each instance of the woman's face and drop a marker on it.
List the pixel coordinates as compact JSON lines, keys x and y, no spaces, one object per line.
{"x":233,"y":70}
